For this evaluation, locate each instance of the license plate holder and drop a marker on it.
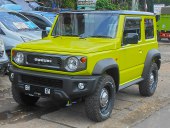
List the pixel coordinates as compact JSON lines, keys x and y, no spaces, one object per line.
{"x":37,"y":90}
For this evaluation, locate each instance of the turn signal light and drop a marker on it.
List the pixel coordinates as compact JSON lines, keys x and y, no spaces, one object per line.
{"x":83,"y":59}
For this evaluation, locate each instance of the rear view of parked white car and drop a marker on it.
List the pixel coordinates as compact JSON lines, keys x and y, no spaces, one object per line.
{"x":16,"y":28}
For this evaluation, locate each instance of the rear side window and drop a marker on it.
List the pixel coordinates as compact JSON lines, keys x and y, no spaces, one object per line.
{"x":149,"y":29}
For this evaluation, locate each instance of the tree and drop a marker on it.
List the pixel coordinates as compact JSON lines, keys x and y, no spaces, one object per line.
{"x":69,"y":4}
{"x":112,"y":5}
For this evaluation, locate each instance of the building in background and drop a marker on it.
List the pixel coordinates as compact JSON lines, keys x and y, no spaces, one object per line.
{"x":86,"y":4}
{"x":157,"y":8}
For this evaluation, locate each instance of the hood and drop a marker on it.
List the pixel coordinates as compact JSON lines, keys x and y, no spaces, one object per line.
{"x":32,"y":35}
{"x":70,"y":45}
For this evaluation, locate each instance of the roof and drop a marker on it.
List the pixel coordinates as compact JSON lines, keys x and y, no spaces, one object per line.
{"x":123,"y":12}
{"x":39,"y":13}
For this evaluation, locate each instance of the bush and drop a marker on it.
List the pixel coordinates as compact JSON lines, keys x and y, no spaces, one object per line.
{"x":107,"y":5}
{"x":69,"y":4}
{"x":103,"y":5}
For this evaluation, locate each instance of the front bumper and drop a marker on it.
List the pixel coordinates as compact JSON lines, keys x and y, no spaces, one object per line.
{"x":61,"y":86}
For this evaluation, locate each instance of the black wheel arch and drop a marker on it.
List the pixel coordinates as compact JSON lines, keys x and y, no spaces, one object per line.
{"x":153,"y":56}
{"x":110,"y":67}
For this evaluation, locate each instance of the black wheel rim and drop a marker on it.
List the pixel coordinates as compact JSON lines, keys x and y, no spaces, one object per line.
{"x":153,"y":80}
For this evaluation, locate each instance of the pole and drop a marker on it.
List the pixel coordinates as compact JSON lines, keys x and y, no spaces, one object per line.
{"x":145,"y":6}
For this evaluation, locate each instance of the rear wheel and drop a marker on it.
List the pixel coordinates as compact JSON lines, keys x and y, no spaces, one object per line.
{"x":99,"y":105}
{"x":149,"y":85}
{"x":23,"y":99}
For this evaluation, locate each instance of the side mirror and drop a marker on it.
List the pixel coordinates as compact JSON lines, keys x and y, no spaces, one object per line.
{"x":46,"y":32}
{"x":131,"y":38}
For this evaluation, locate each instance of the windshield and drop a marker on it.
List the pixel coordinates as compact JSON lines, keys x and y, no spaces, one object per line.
{"x":16,"y":22}
{"x":86,"y":25}
{"x":50,"y":16}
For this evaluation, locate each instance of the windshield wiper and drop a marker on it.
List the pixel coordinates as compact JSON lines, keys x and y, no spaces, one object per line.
{"x":101,"y":36}
{"x":55,"y":36}
{"x":71,"y":35}
{"x":98,"y":36}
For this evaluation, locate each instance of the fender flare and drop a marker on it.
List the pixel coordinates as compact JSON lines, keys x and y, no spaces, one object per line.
{"x":103,"y":65}
{"x":149,"y":58}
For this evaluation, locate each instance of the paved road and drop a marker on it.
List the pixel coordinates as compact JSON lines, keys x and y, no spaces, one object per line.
{"x":159,"y":119}
{"x":130,"y":110}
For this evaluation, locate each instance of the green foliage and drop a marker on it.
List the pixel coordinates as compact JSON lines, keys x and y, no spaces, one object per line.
{"x":103,"y":4}
{"x":109,"y":5}
{"x":68,"y":4}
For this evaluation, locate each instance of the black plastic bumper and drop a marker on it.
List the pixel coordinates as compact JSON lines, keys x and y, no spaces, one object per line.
{"x":67,"y":88}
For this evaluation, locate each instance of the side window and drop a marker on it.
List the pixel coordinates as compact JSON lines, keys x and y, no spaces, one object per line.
{"x":132,"y":31}
{"x":39,"y":22}
{"x":149,"y":29}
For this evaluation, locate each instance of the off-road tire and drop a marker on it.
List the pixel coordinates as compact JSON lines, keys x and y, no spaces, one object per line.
{"x":22,"y":99}
{"x":145,"y":87}
{"x":92,"y":102}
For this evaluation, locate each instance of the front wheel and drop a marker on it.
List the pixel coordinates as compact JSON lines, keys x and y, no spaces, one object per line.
{"x":99,"y":105}
{"x":149,"y":85}
{"x":23,"y":99}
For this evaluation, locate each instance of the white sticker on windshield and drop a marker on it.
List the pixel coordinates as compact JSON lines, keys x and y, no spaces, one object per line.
{"x":20,"y":25}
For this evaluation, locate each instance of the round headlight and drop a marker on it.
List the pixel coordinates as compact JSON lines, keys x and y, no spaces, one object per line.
{"x":19,"y":58}
{"x":72,"y":64}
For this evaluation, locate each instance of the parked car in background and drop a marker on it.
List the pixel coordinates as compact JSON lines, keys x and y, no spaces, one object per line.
{"x":3,"y":58}
{"x":24,"y":4}
{"x":3,"y":2}
{"x":41,"y":19}
{"x":16,"y":28}
{"x":10,"y":5}
{"x":38,"y":6}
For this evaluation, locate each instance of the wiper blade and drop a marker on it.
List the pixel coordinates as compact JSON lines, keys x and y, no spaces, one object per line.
{"x":100,"y":36}
{"x":55,"y":36}
{"x":71,"y":35}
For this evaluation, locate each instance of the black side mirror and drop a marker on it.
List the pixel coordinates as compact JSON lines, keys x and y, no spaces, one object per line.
{"x":44,"y":34}
{"x":131,"y":38}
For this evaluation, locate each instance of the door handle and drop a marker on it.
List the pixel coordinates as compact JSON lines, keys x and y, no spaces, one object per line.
{"x":140,"y":51}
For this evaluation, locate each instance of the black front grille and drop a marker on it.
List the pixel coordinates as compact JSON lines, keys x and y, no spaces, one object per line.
{"x":44,"y":61}
{"x":42,"y":81}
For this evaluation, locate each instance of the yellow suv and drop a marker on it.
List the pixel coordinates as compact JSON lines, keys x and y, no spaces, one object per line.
{"x":89,"y":55}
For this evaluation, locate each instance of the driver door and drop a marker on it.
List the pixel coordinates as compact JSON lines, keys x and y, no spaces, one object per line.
{"x":131,"y":66}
